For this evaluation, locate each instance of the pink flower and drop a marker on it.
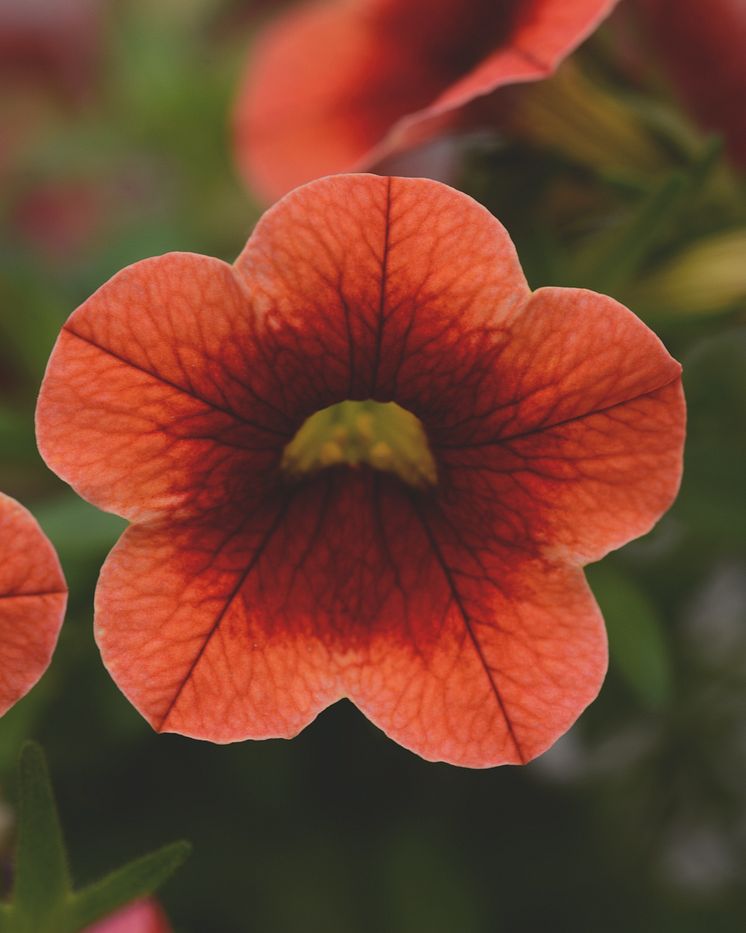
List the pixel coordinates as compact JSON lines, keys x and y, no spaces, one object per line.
{"x":141,"y":917}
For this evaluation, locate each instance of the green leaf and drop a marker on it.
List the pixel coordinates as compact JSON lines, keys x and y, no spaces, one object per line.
{"x":43,"y":901}
{"x":42,"y":879}
{"x":615,"y":255}
{"x":637,"y":645}
{"x":135,"y":880}
{"x":19,"y":722}
{"x":713,"y":495}
{"x":611,"y":262}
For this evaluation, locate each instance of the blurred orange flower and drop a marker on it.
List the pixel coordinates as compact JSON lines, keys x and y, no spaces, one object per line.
{"x":338,"y":85}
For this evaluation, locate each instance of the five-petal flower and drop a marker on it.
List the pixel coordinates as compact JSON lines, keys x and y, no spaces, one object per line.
{"x":33,"y":596}
{"x":265,"y":578}
{"x":338,"y":85}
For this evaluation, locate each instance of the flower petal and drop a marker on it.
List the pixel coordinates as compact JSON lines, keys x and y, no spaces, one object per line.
{"x":336,"y":86}
{"x":191,"y":625}
{"x":33,"y":596}
{"x":303,"y":112}
{"x":513,"y":661}
{"x":384,"y":288}
{"x":145,"y":408}
{"x":544,"y":33}
{"x":580,"y":435}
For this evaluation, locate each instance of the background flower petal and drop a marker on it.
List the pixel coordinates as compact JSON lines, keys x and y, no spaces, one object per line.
{"x":336,"y":86}
{"x":33,"y":596}
{"x":544,"y":33}
{"x":320,"y":91}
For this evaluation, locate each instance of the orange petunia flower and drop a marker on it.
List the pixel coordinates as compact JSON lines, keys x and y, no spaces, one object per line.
{"x":33,"y":596}
{"x":365,"y":461}
{"x":338,"y":85}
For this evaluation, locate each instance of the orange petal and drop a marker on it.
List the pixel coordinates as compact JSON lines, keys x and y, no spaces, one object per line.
{"x":385,"y":288}
{"x":543,"y":34}
{"x":191,"y":625}
{"x":247,"y":628}
{"x":512,"y":661}
{"x":319,"y":92}
{"x":581,"y":438}
{"x":33,"y":596}
{"x":144,"y":409}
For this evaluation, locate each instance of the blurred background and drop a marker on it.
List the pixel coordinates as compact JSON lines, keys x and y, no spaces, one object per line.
{"x":114,"y":146}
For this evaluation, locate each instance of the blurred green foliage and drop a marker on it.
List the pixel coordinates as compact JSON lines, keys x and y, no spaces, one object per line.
{"x":43,"y":900}
{"x":636,"y":820}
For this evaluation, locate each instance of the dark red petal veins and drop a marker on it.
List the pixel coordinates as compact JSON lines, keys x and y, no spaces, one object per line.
{"x":33,"y":596}
{"x":578,"y":440}
{"x":392,"y":289}
{"x":201,"y":628}
{"x":513,"y":654}
{"x":349,"y":586}
{"x":454,"y":615}
{"x":302,"y":114}
{"x":145,"y":408}
{"x":390,"y":72}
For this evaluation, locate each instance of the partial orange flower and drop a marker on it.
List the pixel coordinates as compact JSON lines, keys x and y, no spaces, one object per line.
{"x":704,"y":47}
{"x":365,"y":461}
{"x":33,"y":596}
{"x":337,"y":85}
